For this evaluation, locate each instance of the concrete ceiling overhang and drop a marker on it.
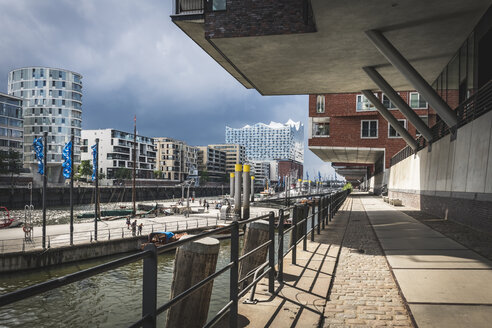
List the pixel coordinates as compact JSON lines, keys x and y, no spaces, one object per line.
{"x":361,"y":155}
{"x":427,"y":33}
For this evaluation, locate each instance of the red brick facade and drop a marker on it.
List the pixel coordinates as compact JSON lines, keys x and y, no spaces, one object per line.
{"x":259,"y":17}
{"x":287,"y":166}
{"x":345,"y":124}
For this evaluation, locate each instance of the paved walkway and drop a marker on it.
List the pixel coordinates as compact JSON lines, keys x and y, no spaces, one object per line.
{"x":442,"y":283}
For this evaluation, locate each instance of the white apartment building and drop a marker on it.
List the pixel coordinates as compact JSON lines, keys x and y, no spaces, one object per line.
{"x":274,"y":141}
{"x":116,"y":152}
{"x":212,"y":161}
{"x":261,"y":171}
{"x":176,"y":159}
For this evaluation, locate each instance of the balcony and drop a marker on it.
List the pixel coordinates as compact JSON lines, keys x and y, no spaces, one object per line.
{"x":189,"y":7}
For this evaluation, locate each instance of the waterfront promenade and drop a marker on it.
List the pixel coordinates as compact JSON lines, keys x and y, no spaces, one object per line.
{"x":376,"y":266}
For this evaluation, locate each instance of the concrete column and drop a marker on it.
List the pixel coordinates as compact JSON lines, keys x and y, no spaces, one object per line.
{"x":256,"y":234}
{"x":194,"y":262}
{"x":231,"y":178}
{"x":246,"y":191}
{"x":411,"y":74}
{"x":237,"y":190}
{"x":402,"y":106}
{"x":391,"y":119}
{"x":252,"y":188}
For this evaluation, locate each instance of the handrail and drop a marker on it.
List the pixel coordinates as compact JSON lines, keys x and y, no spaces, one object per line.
{"x":330,"y":202}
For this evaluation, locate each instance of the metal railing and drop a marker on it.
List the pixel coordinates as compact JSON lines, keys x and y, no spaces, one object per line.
{"x":323,"y":209}
{"x":475,"y":106}
{"x":187,"y":7}
{"x":87,"y":236}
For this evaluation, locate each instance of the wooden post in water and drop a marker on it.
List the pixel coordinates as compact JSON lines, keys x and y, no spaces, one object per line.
{"x":256,"y":234}
{"x":194,"y":262}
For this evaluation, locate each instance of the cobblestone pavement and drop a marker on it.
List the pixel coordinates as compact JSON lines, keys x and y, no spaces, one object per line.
{"x":364,"y":293}
{"x":479,"y":241}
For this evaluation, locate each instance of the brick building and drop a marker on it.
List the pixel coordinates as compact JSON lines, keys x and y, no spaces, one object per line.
{"x":348,"y":131}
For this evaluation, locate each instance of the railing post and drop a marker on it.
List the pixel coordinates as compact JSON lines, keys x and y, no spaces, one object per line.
{"x":233,"y":277}
{"x":271,"y":252}
{"x":324,"y":210}
{"x":122,"y":233}
{"x":280,"y":275}
{"x":294,"y":234}
{"x":313,"y":206}
{"x":149,"y":289}
{"x":305,"y":212}
{"x":330,"y":215}
{"x":318,"y":212}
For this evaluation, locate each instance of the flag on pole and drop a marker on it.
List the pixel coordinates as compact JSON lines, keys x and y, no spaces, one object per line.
{"x":39,"y":153}
{"x":67,"y":160}
{"x":94,"y":161}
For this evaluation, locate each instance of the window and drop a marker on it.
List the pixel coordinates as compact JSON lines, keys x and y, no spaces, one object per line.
{"x":426,"y":121}
{"x":416,"y":100}
{"x":320,"y":104}
{"x":363,"y":104}
{"x":392,"y":132}
{"x":387,"y":103}
{"x":321,"y":129}
{"x":218,"y":5}
{"x":369,"y":129}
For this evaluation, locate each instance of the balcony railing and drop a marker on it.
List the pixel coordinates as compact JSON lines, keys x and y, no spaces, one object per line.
{"x":189,"y":7}
{"x":472,"y":108}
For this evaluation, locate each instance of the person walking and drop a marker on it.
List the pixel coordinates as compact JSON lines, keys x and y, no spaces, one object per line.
{"x":140,"y":227}
{"x":208,"y":205}
{"x":128,"y":223}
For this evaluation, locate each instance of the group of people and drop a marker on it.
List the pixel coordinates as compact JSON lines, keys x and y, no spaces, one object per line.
{"x":134,"y":226}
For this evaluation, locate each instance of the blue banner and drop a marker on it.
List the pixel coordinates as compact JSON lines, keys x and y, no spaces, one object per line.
{"x":39,"y":153}
{"x":67,"y":160}
{"x":94,"y":161}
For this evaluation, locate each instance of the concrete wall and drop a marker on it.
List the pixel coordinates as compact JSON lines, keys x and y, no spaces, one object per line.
{"x":16,"y":198}
{"x":451,"y":179}
{"x":37,"y":259}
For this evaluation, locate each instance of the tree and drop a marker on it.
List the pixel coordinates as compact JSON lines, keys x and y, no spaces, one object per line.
{"x":158,"y":174}
{"x":85,"y":168}
{"x":101,"y":175}
{"x":123,"y":173}
{"x":10,"y":163}
{"x":204,"y":177}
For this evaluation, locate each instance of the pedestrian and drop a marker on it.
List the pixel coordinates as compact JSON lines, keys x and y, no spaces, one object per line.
{"x":193,"y":199}
{"x":200,"y":202}
{"x":128,"y":223}
{"x":140,"y":227}
{"x":134,"y":228}
{"x":208,"y":205}
{"x":204,"y":203}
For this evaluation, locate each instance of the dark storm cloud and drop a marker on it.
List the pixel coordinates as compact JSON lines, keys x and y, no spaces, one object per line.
{"x":135,"y":61}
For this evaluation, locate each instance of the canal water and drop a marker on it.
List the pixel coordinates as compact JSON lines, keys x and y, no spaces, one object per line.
{"x":110,"y":299}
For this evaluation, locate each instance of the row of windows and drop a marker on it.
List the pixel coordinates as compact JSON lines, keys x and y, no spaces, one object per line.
{"x":37,"y":73}
{"x":363,"y":104}
{"x":368,"y":129}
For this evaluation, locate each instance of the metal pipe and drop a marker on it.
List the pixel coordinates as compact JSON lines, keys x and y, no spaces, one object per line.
{"x":237,"y":191}
{"x":399,"y":102}
{"x":71,"y":188}
{"x":134,"y":196}
{"x":391,"y":119}
{"x":252,"y":188}
{"x":45,"y":181}
{"x":271,"y":252}
{"x":411,"y":74}
{"x":97,"y":189}
{"x":246,"y":191}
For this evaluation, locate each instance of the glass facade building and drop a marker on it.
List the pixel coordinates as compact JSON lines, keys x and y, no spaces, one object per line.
{"x":52,"y":103}
{"x":270,"y":142}
{"x":11,"y":130}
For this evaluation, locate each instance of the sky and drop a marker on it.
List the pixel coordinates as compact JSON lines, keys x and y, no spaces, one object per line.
{"x":135,"y":61}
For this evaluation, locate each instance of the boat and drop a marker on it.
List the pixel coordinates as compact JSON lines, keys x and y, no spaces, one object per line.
{"x":6,"y":221}
{"x":121,"y":212}
{"x":161,"y":238}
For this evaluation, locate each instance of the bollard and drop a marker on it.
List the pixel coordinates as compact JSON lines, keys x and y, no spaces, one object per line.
{"x":256,"y":234}
{"x":231,"y":185}
{"x":194,"y":262}
{"x":237,"y":191}
{"x":246,"y":191}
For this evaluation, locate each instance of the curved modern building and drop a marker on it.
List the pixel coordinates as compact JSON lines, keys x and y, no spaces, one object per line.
{"x":52,"y":103}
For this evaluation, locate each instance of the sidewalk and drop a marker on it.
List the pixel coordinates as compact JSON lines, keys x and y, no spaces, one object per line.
{"x":388,"y":263}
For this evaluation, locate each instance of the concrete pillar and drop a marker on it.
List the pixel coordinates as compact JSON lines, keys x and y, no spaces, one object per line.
{"x":252,"y":188}
{"x":231,"y":191}
{"x":411,"y":74}
{"x":391,"y":119}
{"x":402,"y":106}
{"x":246,"y":191}
{"x":256,"y":234}
{"x":237,"y":190}
{"x":194,"y":262}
